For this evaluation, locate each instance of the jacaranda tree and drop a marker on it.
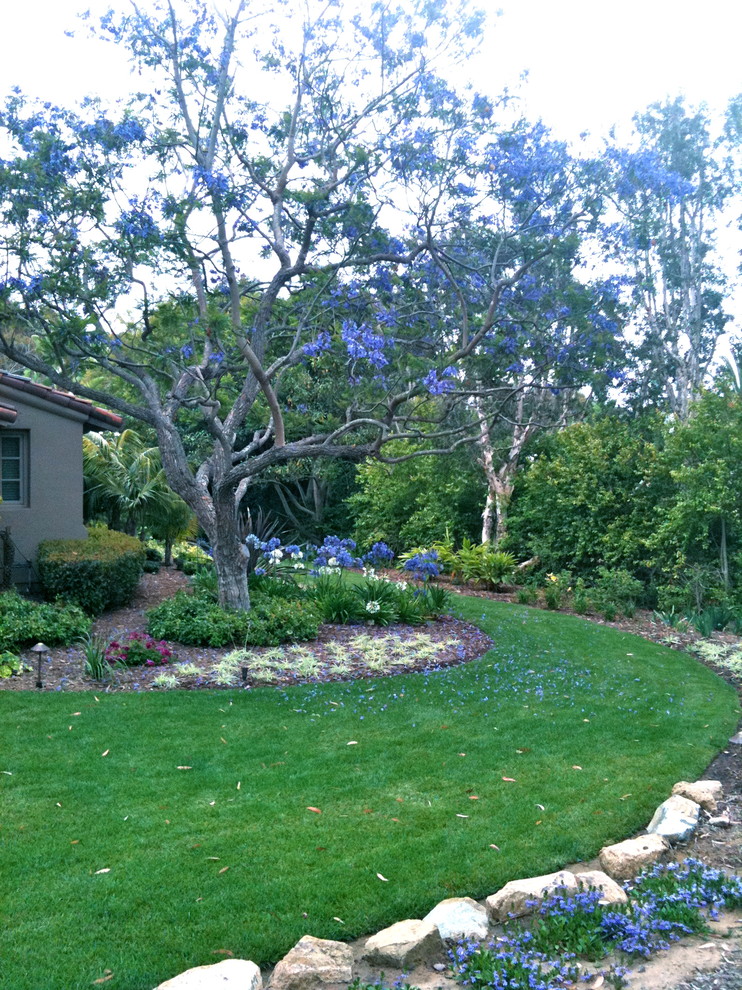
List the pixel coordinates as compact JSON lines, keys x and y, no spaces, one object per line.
{"x":315,"y":200}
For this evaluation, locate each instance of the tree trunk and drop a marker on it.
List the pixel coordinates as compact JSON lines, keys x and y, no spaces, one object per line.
{"x":723,"y":558}
{"x":503,"y":489}
{"x":230,"y":560}
{"x":488,"y":516}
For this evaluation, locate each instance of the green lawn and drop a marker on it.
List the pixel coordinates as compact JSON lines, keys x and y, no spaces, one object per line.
{"x":592,"y":724}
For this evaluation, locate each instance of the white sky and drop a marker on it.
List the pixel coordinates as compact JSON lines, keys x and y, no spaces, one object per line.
{"x":591,"y":63}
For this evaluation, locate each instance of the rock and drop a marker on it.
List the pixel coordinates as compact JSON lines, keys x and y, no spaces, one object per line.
{"x":519,"y":897}
{"x":230,"y":974}
{"x":675,"y":819}
{"x":624,"y":860}
{"x":405,"y":945}
{"x":314,"y":964}
{"x":703,"y":792}
{"x":459,"y":917}
{"x":721,"y":821}
{"x":439,"y":967}
{"x":737,"y":739}
{"x":597,"y":880}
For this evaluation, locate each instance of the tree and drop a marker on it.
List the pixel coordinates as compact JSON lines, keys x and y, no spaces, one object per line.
{"x":348,"y":201}
{"x":125,"y":484}
{"x":670,"y":195}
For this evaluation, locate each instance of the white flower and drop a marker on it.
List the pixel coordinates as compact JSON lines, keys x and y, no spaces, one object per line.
{"x":276,"y":555}
{"x":332,"y":562}
{"x":401,"y":585}
{"x":369,"y":572}
{"x":372,"y":607}
{"x":298,"y":566}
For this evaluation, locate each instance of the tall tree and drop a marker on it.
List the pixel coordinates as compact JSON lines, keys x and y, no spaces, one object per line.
{"x":671,"y":194}
{"x":346,"y":195}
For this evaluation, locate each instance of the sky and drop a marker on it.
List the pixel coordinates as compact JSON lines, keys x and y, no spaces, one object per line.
{"x":591,"y":63}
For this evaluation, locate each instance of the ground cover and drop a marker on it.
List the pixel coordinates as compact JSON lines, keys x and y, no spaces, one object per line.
{"x":144,"y":834}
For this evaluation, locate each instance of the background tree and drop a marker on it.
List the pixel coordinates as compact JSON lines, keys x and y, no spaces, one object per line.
{"x":361,"y":178}
{"x":125,"y":485}
{"x":671,"y":194}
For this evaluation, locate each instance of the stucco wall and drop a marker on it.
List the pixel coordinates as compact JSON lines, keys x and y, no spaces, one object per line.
{"x":53,"y":508}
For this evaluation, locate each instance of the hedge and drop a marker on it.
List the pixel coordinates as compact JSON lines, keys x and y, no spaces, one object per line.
{"x":98,"y":573}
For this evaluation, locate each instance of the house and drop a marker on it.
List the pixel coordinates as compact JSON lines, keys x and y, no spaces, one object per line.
{"x":41,"y":481}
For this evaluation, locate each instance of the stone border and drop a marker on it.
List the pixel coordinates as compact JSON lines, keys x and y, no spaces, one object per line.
{"x":323,"y":964}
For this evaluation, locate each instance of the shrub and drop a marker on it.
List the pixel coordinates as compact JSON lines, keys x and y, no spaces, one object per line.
{"x":197,"y":620}
{"x":556,"y":587}
{"x":23,"y":622}
{"x":10,"y":665}
{"x":336,"y":601}
{"x":616,"y":591}
{"x":100,"y":572}
{"x":139,"y":650}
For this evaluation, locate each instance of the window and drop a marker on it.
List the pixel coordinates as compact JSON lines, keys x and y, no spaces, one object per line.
{"x":13,"y":467}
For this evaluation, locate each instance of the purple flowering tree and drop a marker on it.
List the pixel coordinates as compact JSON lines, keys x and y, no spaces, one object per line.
{"x":342,"y":211}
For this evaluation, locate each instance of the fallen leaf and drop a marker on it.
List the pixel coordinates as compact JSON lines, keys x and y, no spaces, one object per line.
{"x":462,"y":754}
{"x":8,"y":772}
{"x":184,"y":768}
{"x":586,"y":720}
{"x":473,"y":797}
{"x":368,"y":811}
{"x":239,"y":784}
{"x":339,"y":919}
{"x":400,"y":800}
{"x":75,"y":713}
{"x":576,"y":767}
{"x":106,"y":978}
{"x":106,"y":869}
{"x":538,"y":822}
{"x":59,"y":805}
{"x":352,"y":743}
{"x":222,"y":952}
{"x":510,"y":780}
{"x":493,"y":846}
{"x":74,"y":842}
{"x":224,"y":869}
{"x":97,"y":698}
{"x":317,"y":811}
{"x":223,"y":740}
{"x":623,"y":798}
{"x":462,"y":816}
{"x":212,"y":803}
{"x":214,"y":859}
{"x":541,"y":807}
{"x":596,"y":982}
{"x":105,"y":753}
{"x":382,"y":878}
{"x":395,"y":819}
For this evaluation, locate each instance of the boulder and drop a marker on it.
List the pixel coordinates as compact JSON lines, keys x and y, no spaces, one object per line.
{"x":230,"y":974}
{"x":624,"y":860}
{"x":703,"y":792}
{"x":314,"y":964}
{"x":611,"y":892}
{"x":520,"y":897}
{"x":459,"y":917}
{"x":675,"y":819}
{"x":405,"y":945}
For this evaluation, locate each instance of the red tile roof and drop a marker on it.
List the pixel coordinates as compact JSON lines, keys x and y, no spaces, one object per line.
{"x":96,"y":418}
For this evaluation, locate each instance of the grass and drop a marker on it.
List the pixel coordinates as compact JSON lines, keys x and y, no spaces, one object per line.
{"x":407,"y":773}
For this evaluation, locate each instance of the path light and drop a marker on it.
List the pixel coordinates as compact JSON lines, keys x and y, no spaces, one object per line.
{"x":40,"y":649}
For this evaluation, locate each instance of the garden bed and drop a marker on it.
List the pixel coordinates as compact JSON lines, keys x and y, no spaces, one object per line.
{"x":434,"y":645}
